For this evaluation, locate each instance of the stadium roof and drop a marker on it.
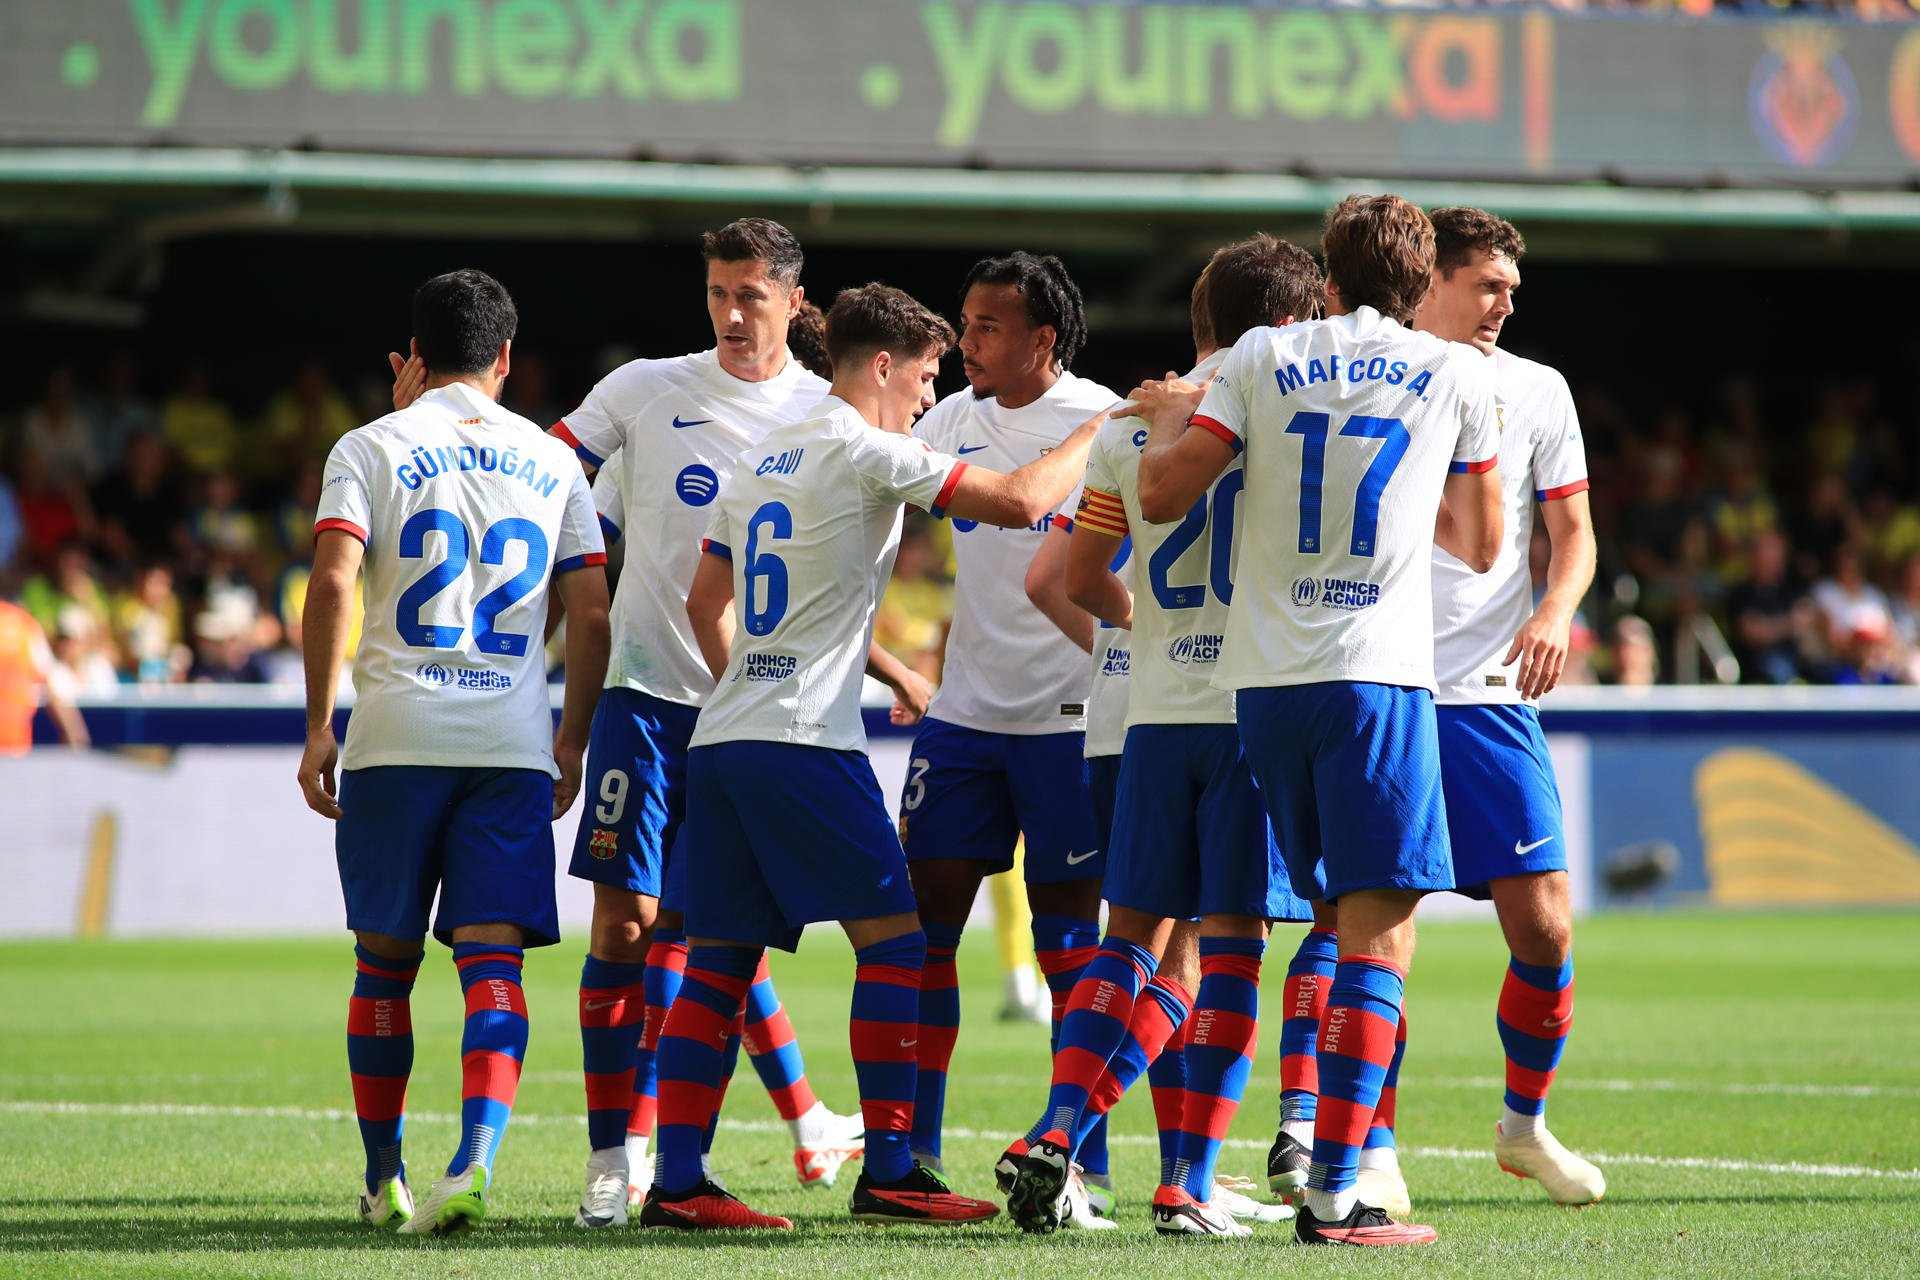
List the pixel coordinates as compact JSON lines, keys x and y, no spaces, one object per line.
{"x":316,"y":191}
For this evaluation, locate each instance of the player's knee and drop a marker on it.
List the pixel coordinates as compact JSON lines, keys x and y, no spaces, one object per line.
{"x":621,"y":934}
{"x":1544,"y":939}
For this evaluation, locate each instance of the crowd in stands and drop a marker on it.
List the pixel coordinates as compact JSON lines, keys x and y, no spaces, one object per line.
{"x":166,"y":539}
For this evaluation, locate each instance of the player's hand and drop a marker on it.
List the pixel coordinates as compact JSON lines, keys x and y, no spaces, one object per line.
{"x":1163,"y":400}
{"x":567,"y":757}
{"x":409,"y":378}
{"x":316,"y":773}
{"x":1541,"y":649}
{"x":911,"y":698}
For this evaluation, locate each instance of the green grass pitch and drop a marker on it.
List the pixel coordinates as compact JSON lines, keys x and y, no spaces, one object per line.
{"x":1750,"y":1083}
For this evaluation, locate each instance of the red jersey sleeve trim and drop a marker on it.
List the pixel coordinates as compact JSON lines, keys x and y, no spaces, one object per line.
{"x":564,"y":433}
{"x":1474,"y":468}
{"x":712,"y":548}
{"x":1562,"y":491}
{"x":1215,"y":427}
{"x":344,"y":526}
{"x":941,"y":499}
{"x":585,"y":560}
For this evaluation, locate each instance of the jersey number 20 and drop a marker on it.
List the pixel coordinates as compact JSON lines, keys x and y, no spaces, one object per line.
{"x":493,"y":550}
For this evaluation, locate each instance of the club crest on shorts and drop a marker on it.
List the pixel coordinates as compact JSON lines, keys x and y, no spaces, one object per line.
{"x":603,"y":844}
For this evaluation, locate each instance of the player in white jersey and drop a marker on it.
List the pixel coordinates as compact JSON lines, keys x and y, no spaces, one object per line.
{"x":1001,"y":751}
{"x":677,"y":425}
{"x":1176,"y":853}
{"x":1495,"y":653}
{"x":784,"y":815}
{"x":462,"y":515}
{"x":1351,"y":430}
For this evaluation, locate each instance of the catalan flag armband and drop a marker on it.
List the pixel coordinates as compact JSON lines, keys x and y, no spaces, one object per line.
{"x":1102,"y":512}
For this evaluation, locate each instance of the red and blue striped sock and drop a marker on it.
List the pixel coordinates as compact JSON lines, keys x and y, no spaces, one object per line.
{"x":1099,"y":1010}
{"x":1356,"y":1049}
{"x":1380,"y":1132}
{"x":1063,"y":945}
{"x":884,"y":1031}
{"x":1167,"y":1080}
{"x":492,"y":1047}
{"x":939,"y":1014}
{"x":1309,"y":976}
{"x":1155,"y":1021}
{"x":666,"y":962}
{"x":1536,"y":1016}
{"x":691,"y":1057}
{"x":729,"y":1063}
{"x":613,"y":1010}
{"x":775,"y":1051}
{"x":1222,"y":1037}
{"x":380,"y":1056}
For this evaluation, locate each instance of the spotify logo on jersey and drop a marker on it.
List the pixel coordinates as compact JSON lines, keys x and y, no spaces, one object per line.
{"x":697,"y":485}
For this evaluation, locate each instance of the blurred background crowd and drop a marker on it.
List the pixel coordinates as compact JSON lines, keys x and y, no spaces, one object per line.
{"x":161,"y":533}
{"x":1866,"y":10}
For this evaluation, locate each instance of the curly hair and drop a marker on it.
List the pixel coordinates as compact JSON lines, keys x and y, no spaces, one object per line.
{"x":807,"y":339}
{"x":1052,"y":298}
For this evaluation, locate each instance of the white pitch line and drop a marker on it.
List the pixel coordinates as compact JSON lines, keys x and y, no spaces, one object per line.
{"x":188,"y":1110}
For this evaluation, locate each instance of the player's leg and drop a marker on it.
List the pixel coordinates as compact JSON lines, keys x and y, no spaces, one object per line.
{"x":387,"y":845}
{"x":1154,"y":1033}
{"x":827,"y":851}
{"x":665,"y":968}
{"x":1535,"y":1018}
{"x":822,"y":1139}
{"x":1050,"y":781}
{"x":1304,"y":1002}
{"x":630,"y":810}
{"x":1380,"y":1181}
{"x":1025,"y":999}
{"x":957,"y":825}
{"x":731,"y":915}
{"x":1146,"y":880}
{"x":1376,"y":773}
{"x":496,"y":900}
{"x":1090,"y":1148}
{"x":1503,"y":814}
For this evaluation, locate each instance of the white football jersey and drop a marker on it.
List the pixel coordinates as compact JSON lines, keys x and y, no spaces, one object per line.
{"x":1008,"y":669}
{"x":1348,"y":427}
{"x":1107,"y":695}
{"x":683,"y":422}
{"x":1476,"y":615}
{"x":610,"y":501}
{"x":1181,"y":575}
{"x":811,"y":521}
{"x":468,"y":511}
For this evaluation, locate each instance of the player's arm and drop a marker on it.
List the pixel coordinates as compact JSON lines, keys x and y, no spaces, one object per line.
{"x":710,"y":607}
{"x":1541,"y":645}
{"x":911,"y":690}
{"x":1023,"y":496}
{"x":1047,"y":586}
{"x":1471,"y":522}
{"x":583,"y":594}
{"x":325,"y":619}
{"x":1178,"y":465}
{"x":1091,"y":582}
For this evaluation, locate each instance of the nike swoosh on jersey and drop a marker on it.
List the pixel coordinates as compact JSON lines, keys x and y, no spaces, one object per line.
{"x":1075,"y":859}
{"x":966,"y":449}
{"x":1522,"y":850}
{"x":681,"y":424}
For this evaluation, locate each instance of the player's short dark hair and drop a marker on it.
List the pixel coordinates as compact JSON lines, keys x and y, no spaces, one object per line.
{"x":460,"y":320}
{"x":878,"y":317}
{"x":1460,"y":231}
{"x":1379,"y":252}
{"x":1256,"y":282}
{"x":759,"y":240}
{"x":807,"y":339}
{"x":1051,"y":296}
